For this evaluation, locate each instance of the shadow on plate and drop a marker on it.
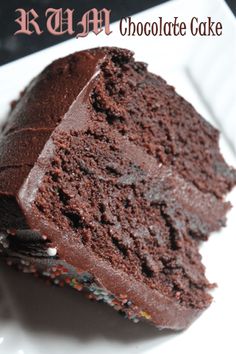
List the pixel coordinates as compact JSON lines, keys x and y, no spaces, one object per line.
{"x":64,"y":312}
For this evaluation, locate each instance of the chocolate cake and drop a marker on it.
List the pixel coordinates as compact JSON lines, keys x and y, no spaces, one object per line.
{"x":109,"y":180}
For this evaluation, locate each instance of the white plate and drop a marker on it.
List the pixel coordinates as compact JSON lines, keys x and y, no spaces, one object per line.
{"x":37,"y":319}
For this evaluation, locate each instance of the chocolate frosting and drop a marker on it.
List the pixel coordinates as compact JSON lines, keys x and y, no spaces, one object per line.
{"x":40,"y":108}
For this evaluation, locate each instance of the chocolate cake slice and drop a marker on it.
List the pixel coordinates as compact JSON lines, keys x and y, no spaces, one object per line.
{"x":109,"y":180}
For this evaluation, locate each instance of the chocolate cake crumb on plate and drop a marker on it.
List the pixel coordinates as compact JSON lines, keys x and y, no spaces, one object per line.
{"x":109,"y":181}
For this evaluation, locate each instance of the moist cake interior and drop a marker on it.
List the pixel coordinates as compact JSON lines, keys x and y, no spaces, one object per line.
{"x":114,"y":206}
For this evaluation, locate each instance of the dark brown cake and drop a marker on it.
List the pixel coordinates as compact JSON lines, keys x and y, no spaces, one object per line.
{"x":108,"y":182}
